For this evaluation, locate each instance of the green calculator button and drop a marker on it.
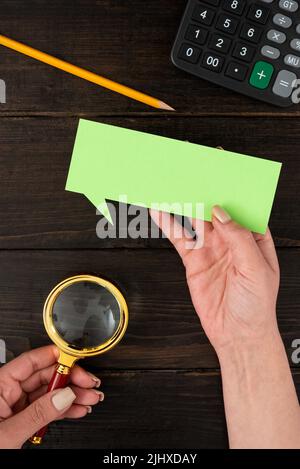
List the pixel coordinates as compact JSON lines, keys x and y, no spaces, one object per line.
{"x":261,"y":75}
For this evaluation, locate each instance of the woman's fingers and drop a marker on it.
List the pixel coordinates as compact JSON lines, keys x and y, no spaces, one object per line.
{"x":82,"y":405}
{"x":30,"y":362}
{"x":200,"y":227}
{"x":245,"y":252}
{"x":79,"y":377}
{"x":174,"y":231}
{"x":248,"y":249}
{"x":34,"y":395}
{"x":77,"y":412}
{"x":5,"y":409}
{"x":266,"y":246}
{"x":85,"y":397}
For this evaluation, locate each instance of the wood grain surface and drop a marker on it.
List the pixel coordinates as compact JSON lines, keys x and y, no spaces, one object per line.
{"x":36,"y":211}
{"x":171,"y":409}
{"x":162,"y":383}
{"x":128,"y":41}
{"x":164,"y":331}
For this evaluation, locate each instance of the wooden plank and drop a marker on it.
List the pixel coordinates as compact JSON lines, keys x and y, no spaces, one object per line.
{"x":186,"y":412}
{"x":129,"y":42}
{"x":36,"y":211}
{"x":164,"y":331}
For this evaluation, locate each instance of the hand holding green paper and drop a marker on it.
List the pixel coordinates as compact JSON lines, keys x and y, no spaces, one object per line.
{"x":109,"y":162}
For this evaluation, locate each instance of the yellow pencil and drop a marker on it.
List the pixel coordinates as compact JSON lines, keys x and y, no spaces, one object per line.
{"x":82,"y":73}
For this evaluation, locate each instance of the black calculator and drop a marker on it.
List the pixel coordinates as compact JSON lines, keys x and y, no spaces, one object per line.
{"x":252,"y":47}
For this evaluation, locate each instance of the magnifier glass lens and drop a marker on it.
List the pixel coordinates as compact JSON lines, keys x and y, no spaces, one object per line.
{"x":86,"y":315}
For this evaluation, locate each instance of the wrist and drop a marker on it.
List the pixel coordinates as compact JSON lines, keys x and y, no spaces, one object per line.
{"x":244,"y":351}
{"x":261,"y":405}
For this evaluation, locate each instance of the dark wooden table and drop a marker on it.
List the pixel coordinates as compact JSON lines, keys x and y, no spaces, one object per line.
{"x":162,"y":383}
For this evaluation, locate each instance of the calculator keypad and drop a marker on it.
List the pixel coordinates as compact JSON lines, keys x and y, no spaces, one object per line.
{"x":251,"y":33}
{"x":283,"y":85}
{"x":282,"y":20}
{"x":196,"y":34}
{"x":295,"y":44}
{"x":252,"y":47}
{"x":220,"y":43}
{"x":236,"y":71}
{"x":289,"y":5}
{"x":261,"y":75}
{"x":270,"y":52}
{"x":212,"y":62}
{"x":244,"y":52}
{"x":236,"y":6}
{"x":276,"y":36}
{"x":189,"y":53}
{"x":292,"y":60}
{"x":227,"y":24}
{"x":203,"y":15}
{"x":258,"y":13}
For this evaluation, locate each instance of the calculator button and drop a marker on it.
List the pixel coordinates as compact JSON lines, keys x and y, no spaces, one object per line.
{"x":196,"y":34}
{"x":295,"y":44}
{"x":298,"y":29}
{"x":220,"y":43}
{"x":261,"y":75}
{"x":282,"y":20}
{"x":243,"y":51}
{"x":276,"y":36}
{"x":292,"y":60}
{"x":251,"y":33}
{"x":203,"y":15}
{"x":189,"y":53}
{"x":283,"y":85}
{"x":270,"y":52}
{"x":258,"y":13}
{"x":234,"y":6}
{"x":236,"y":71}
{"x":227,"y":24}
{"x":288,"y":5}
{"x":212,"y":62}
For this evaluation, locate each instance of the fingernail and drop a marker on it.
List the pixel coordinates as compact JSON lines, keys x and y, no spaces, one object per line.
{"x":100,"y":394}
{"x":89,"y":409}
{"x":56,"y":351}
{"x":95,"y":379}
{"x":63,"y":398}
{"x":221,"y":214}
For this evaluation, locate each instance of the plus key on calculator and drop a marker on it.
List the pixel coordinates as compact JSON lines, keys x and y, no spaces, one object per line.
{"x":252,"y":47}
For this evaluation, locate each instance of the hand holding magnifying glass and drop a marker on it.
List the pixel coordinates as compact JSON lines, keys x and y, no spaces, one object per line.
{"x":84,"y":316}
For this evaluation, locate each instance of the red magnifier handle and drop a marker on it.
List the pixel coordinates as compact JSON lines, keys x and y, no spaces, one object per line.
{"x":59,"y":379}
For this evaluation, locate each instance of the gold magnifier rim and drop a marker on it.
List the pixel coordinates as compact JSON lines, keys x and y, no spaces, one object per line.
{"x":91,"y":351}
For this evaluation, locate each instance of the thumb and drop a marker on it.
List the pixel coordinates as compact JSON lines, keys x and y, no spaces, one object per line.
{"x":19,"y":428}
{"x":244,"y":250}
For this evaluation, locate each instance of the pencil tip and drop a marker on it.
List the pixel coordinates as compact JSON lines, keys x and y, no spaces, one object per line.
{"x":165,"y":106}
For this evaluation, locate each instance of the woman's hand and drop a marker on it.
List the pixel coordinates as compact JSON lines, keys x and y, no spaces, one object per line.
{"x":233,"y":278}
{"x":24,"y":406}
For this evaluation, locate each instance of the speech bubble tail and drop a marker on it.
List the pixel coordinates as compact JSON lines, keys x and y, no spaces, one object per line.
{"x":102,"y":207}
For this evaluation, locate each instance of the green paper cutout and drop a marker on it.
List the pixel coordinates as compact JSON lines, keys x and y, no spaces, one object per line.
{"x":110,"y":161}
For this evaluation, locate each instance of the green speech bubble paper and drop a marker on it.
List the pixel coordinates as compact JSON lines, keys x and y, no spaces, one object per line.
{"x":109,"y":162}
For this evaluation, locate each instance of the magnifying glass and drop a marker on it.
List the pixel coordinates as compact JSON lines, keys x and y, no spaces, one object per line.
{"x":84,"y":316}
